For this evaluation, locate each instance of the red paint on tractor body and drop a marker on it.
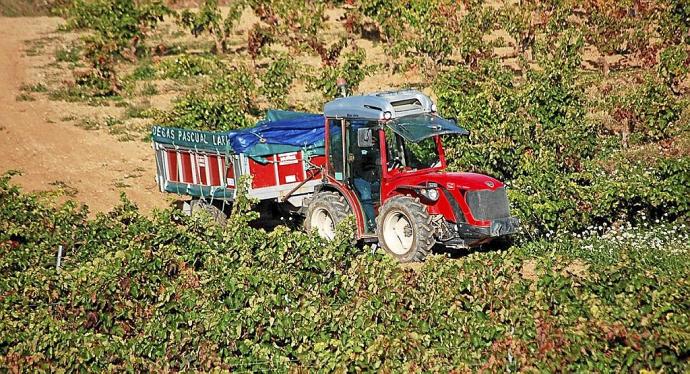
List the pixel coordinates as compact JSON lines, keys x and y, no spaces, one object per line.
{"x":456,"y":184}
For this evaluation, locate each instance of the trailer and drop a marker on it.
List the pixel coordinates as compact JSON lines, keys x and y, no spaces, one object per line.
{"x":378,"y":157}
{"x":205,"y":166}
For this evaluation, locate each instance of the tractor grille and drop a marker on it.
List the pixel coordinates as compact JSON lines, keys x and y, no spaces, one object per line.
{"x":487,"y":204}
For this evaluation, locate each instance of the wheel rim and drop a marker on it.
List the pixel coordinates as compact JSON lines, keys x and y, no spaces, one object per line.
{"x":324,"y":224}
{"x":398,"y":234}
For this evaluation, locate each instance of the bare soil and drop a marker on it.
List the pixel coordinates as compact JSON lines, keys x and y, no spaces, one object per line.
{"x":50,"y":154}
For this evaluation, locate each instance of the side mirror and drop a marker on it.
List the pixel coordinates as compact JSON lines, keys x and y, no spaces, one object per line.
{"x":365,"y":138}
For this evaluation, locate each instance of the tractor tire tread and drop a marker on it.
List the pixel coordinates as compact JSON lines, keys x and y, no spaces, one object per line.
{"x":336,"y":205}
{"x":422,"y":220}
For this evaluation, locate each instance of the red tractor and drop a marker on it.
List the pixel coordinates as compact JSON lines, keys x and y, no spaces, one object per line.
{"x":379,"y":157}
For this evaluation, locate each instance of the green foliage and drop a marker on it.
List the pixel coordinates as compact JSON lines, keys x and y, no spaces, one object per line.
{"x":386,"y":14}
{"x":179,"y":293}
{"x":517,"y":129}
{"x":189,"y":66}
{"x":534,"y":134}
{"x":674,"y":66}
{"x":123,"y":22}
{"x":438,"y":30}
{"x":650,"y":110}
{"x":69,"y":54}
{"x":433,"y":36}
{"x":515,"y":20}
{"x":675,"y":21}
{"x":24,"y":97}
{"x":209,"y":18}
{"x":613,"y":28}
{"x":99,"y":82}
{"x":603,"y":192}
{"x":119,"y":28}
{"x":199,"y":111}
{"x":295,"y":23}
{"x":351,"y":68}
{"x":37,"y":87}
{"x":277,"y":80}
{"x":238,"y":84}
{"x":145,"y":70}
{"x":432,"y":30}
{"x":227,"y":102}
{"x":149,"y":89}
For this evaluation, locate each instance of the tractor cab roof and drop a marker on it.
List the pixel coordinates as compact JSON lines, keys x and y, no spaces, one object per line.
{"x":409,"y":113}
{"x":381,"y":105}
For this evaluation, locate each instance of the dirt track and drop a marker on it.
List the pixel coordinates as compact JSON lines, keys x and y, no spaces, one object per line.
{"x":34,"y":141}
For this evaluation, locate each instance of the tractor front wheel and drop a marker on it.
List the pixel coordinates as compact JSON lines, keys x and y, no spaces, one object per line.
{"x":404,"y":229}
{"x":324,"y":212}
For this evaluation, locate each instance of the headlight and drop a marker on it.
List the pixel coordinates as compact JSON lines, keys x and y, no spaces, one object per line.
{"x":430,"y":193}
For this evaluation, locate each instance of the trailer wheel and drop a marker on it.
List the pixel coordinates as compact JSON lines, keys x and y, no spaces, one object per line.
{"x":404,"y":229}
{"x":324,"y":212}
{"x":198,"y":205}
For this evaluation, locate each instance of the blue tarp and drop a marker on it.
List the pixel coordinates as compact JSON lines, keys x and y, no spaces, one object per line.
{"x":288,"y":132}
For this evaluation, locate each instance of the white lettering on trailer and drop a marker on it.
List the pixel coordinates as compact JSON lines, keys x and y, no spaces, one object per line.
{"x":190,"y":136}
{"x":163,"y":132}
{"x":288,"y":158}
{"x":290,"y":179}
{"x":219,"y":139}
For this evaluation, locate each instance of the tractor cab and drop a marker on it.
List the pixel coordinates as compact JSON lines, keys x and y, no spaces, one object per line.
{"x":386,"y":166}
{"x":372,"y":138}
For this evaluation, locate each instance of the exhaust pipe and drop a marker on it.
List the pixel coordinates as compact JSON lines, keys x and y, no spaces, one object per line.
{"x":342,"y":84}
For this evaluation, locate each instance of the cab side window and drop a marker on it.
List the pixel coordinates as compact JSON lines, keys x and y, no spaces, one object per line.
{"x":335,"y":150}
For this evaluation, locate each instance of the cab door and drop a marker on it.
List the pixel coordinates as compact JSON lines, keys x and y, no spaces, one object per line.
{"x":354,"y":167}
{"x":365,"y":168}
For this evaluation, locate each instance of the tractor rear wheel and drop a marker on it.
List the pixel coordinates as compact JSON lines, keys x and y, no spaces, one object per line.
{"x":404,"y":229}
{"x":324,"y":212}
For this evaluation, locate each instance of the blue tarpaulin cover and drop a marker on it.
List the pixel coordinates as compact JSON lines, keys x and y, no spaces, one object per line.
{"x":280,"y":132}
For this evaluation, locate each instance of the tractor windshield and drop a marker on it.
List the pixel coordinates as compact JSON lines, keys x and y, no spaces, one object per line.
{"x":406,"y":155}
{"x":416,"y":128}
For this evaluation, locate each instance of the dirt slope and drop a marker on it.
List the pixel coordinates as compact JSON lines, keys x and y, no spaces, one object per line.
{"x":33,"y":140}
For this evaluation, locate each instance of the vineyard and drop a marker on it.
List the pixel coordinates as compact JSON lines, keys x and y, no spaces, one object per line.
{"x":581,"y":106}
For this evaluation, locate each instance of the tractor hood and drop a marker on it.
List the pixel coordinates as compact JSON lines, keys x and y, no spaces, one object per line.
{"x":464,"y":181}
